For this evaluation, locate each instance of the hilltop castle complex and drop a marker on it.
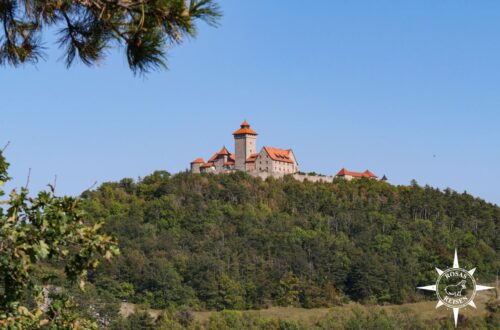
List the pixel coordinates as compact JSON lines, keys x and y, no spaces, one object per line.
{"x":245,"y":157}
{"x":269,"y":161}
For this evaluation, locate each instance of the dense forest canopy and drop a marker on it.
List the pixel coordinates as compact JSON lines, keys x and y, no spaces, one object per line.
{"x":235,"y":241}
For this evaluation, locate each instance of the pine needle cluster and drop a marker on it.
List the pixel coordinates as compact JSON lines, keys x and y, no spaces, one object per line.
{"x":86,"y":29}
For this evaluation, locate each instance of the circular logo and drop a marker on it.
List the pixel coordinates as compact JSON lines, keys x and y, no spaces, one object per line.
{"x":456,"y":287}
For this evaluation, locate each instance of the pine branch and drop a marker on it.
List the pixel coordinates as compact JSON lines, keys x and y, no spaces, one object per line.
{"x":88,"y":27}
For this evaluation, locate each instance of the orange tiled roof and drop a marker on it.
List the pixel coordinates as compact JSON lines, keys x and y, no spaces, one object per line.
{"x":245,"y":129}
{"x":366,"y":174}
{"x":344,"y":172}
{"x":198,"y":161}
{"x":231,"y":157}
{"x":208,"y":164}
{"x":252,"y":158}
{"x":280,"y":155}
{"x":369,"y":174}
{"x":223,"y":151}
{"x":229,"y":163}
{"x":214,"y":157}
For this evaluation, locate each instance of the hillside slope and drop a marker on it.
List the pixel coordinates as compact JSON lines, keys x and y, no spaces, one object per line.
{"x":234,"y":241}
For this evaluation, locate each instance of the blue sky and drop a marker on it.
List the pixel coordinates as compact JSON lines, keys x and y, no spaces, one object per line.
{"x":410,"y":89}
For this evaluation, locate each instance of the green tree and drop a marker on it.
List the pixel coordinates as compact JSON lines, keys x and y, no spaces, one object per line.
{"x":289,"y":289}
{"x":230,"y":293}
{"x":86,"y":29}
{"x":34,"y":230}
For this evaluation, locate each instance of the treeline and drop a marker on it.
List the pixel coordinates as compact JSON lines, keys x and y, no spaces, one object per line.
{"x":236,"y":242}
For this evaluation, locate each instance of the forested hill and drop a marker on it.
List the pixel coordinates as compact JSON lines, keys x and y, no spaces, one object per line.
{"x":234,"y":241}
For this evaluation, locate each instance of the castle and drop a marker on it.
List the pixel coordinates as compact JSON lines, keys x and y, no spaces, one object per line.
{"x":245,"y":158}
{"x":269,"y":161}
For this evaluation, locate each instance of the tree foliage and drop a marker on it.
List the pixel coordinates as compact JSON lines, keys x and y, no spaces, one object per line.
{"x":37,"y":230}
{"x":145,"y":29}
{"x":232,"y":241}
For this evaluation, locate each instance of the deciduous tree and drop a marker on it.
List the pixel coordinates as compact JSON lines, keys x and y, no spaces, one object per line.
{"x":34,"y":230}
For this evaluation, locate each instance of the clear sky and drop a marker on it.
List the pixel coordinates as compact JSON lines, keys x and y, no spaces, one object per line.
{"x":410,"y":89}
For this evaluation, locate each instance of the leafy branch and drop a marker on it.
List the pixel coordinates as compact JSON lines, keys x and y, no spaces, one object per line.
{"x":44,"y":228}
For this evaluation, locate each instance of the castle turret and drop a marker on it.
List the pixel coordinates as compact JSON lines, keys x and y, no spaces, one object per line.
{"x":220,"y":159}
{"x":196,"y":164}
{"x":245,"y":144}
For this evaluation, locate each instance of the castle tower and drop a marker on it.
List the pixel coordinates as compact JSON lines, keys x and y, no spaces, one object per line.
{"x":196,"y":164}
{"x":245,"y":144}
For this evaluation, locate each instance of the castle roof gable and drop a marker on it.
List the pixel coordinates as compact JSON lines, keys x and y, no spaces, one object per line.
{"x":365,"y":174}
{"x":280,"y":155}
{"x":369,"y":174}
{"x":223,"y":151}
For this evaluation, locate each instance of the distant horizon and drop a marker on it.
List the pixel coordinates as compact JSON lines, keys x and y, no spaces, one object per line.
{"x":409,"y":90}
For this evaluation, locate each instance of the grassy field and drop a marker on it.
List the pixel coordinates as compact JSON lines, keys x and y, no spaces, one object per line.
{"x":426,"y":310}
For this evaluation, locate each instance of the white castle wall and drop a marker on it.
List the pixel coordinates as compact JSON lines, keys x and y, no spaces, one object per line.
{"x":296,"y":176}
